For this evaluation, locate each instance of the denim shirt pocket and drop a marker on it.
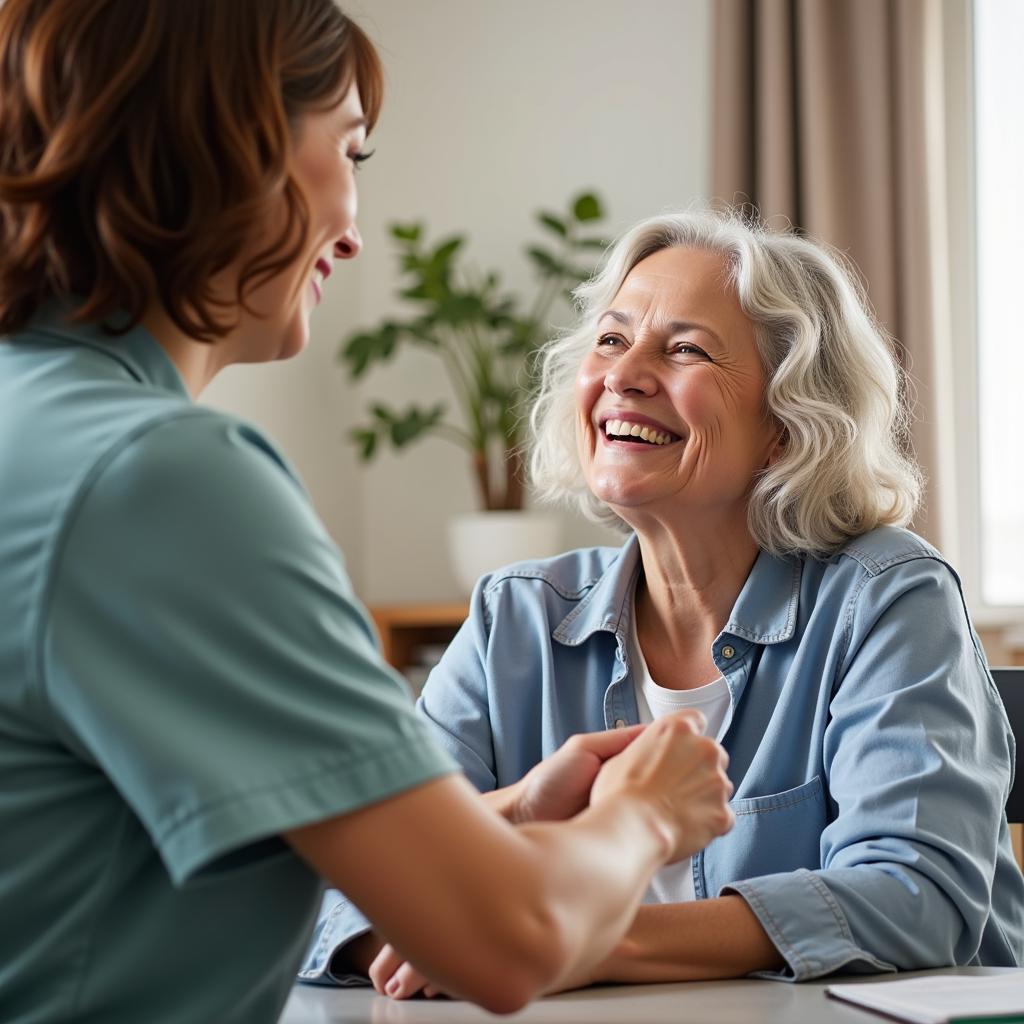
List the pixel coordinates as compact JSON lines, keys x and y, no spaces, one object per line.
{"x":774,"y":833}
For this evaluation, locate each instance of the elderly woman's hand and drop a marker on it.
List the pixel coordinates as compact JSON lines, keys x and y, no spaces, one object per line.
{"x":559,"y":786}
{"x":392,"y":975}
{"x":680,"y":775}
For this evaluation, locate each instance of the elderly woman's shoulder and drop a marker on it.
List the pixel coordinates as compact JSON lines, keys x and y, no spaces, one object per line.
{"x":889,"y":561}
{"x":887,"y":546}
{"x":570,"y":575}
{"x":891,"y":572}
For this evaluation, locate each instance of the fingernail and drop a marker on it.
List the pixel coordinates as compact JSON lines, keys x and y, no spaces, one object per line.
{"x":392,"y":986}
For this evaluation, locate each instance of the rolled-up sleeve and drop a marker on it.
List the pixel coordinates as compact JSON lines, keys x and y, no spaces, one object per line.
{"x":918,"y":756}
{"x":339,"y":921}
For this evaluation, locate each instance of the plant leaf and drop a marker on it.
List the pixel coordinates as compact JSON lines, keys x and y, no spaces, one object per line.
{"x":587,"y":207}
{"x":413,"y":423}
{"x":407,"y":232}
{"x":422,"y":331}
{"x":419,"y":292}
{"x":553,"y":223}
{"x":362,"y":349}
{"x":366,"y":439}
{"x":546,"y":263}
{"x":446,"y":250}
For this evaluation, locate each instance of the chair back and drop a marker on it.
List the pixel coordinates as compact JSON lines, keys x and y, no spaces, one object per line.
{"x":1010,"y":683}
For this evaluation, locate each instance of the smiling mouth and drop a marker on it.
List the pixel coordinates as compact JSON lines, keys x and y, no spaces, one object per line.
{"x":638,"y":433}
{"x":321,"y":271}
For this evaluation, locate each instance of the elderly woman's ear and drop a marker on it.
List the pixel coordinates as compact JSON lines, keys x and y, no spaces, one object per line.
{"x":778,"y":448}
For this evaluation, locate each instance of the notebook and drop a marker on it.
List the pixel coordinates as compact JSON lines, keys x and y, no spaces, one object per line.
{"x":942,"y":999}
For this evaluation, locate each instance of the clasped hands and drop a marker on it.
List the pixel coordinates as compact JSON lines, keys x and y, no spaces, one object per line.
{"x":668,"y":764}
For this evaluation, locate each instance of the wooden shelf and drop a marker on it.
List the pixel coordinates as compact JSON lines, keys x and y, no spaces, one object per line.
{"x":404,"y":627}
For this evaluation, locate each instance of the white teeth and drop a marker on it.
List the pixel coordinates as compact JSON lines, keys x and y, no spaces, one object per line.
{"x":623,"y":428}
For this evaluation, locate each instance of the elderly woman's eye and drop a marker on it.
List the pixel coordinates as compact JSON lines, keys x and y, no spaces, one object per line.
{"x":607,"y":340}
{"x":686,"y":349}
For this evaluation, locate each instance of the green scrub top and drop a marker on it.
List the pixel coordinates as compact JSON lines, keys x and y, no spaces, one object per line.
{"x":184,"y":674}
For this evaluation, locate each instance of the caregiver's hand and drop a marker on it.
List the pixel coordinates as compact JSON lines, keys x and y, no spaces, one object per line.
{"x":694,"y":810}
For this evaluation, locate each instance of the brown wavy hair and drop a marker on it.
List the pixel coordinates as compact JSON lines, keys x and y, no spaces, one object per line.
{"x":142,"y":143}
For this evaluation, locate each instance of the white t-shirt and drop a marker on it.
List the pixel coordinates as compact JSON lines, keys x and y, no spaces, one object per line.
{"x":674,"y":883}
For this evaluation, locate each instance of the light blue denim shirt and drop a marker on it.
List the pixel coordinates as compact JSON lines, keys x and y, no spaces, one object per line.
{"x":869,"y":749}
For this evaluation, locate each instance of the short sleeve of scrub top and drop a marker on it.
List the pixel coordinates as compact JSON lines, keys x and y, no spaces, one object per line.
{"x":201,"y":645}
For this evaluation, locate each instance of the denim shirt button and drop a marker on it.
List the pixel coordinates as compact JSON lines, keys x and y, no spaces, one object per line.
{"x":728,"y":651}
{"x":620,"y":723}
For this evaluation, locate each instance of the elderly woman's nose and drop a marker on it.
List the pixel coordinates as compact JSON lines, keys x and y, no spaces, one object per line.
{"x":632,"y":374}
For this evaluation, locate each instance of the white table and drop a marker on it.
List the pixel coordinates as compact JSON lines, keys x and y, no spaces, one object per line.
{"x":743,"y":1001}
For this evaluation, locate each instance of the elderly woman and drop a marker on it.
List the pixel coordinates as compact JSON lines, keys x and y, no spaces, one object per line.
{"x":728,"y":402}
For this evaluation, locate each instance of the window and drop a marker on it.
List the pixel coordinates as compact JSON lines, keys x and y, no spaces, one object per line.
{"x":999,"y":226}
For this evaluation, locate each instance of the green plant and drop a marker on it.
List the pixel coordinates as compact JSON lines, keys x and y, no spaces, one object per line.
{"x":485,"y":338}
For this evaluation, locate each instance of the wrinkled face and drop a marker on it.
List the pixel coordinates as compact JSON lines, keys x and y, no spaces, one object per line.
{"x":328,"y":149}
{"x":669,"y":398}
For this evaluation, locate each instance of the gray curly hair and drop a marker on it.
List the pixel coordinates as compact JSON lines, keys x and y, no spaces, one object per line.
{"x":833,"y":384}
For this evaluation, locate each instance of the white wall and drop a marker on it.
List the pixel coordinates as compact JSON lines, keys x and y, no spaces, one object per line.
{"x":494,"y":109}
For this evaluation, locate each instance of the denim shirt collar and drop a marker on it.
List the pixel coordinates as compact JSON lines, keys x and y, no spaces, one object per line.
{"x":764,"y":613}
{"x":609,"y":603}
{"x":141,"y":355}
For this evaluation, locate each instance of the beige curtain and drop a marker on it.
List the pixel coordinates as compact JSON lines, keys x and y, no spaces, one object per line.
{"x":829,"y":114}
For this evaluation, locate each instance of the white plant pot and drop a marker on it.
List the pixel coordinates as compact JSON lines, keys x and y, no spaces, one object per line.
{"x":483,"y":541}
